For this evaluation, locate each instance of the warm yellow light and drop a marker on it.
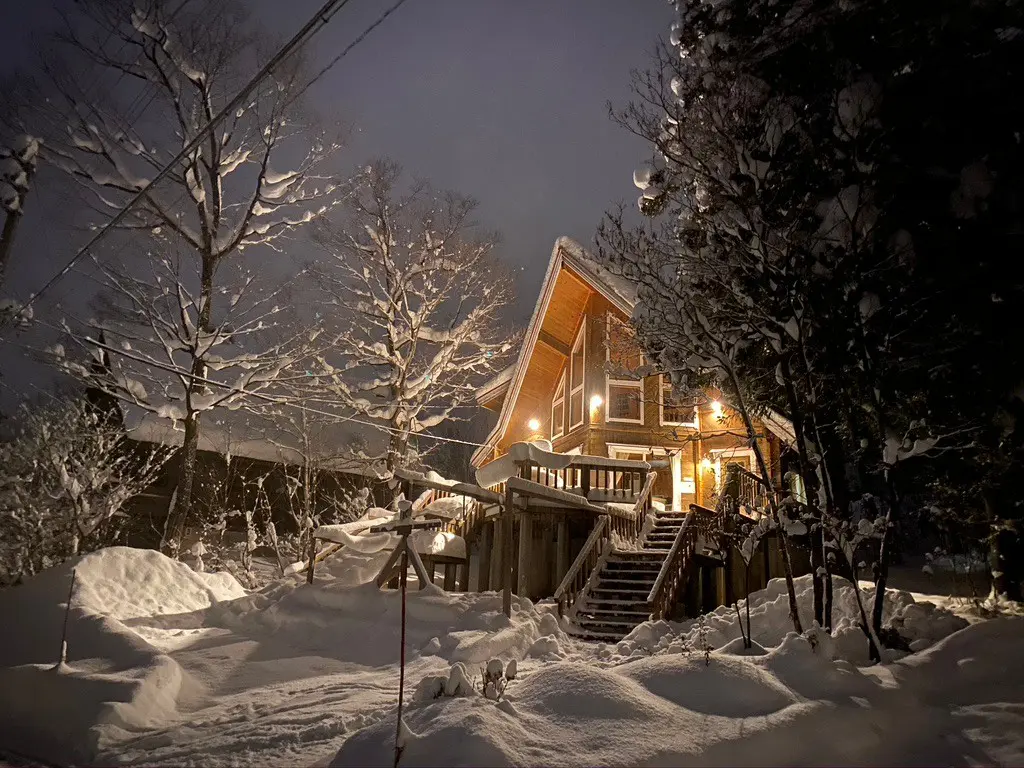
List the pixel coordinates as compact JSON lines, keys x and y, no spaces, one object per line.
{"x":705,"y":463}
{"x":716,"y":409}
{"x":533,"y":424}
{"x":596,"y":402}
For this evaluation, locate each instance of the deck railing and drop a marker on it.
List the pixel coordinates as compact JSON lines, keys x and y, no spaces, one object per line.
{"x":583,"y":566}
{"x":700,"y":521}
{"x":673,"y":569}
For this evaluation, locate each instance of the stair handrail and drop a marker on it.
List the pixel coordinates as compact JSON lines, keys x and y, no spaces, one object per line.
{"x":674,"y":563}
{"x":572,"y":585}
{"x":629,"y":524}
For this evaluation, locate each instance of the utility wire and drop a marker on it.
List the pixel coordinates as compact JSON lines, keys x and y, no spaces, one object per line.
{"x":270,"y":398}
{"x":314,"y":25}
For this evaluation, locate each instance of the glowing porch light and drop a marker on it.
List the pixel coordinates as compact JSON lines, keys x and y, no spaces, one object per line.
{"x":716,"y":409}
{"x":705,"y":463}
{"x":596,"y":402}
{"x":533,"y":424}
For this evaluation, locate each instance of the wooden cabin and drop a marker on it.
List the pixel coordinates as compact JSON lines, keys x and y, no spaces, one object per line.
{"x":624,"y":519}
{"x":578,"y":383}
{"x":597,"y":486}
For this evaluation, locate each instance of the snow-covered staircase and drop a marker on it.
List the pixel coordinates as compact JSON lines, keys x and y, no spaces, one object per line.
{"x":617,"y":597}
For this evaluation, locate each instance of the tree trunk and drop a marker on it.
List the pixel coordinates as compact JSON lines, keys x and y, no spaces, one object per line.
{"x":815,"y":533}
{"x":180,"y":512}
{"x":397,"y":447}
{"x":7,"y":240}
{"x":1004,"y":544}
{"x":882,"y":577}
{"x":787,"y":565}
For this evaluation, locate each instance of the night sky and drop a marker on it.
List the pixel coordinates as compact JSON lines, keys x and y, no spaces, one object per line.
{"x":503,"y":101}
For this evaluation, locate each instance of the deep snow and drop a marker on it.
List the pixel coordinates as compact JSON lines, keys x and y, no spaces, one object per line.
{"x":167,"y":666}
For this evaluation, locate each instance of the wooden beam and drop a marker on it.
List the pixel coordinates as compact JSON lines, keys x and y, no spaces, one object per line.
{"x":484,"y":543}
{"x":506,"y":551}
{"x":562,"y":550}
{"x":560,"y":347}
{"x":525,"y":554}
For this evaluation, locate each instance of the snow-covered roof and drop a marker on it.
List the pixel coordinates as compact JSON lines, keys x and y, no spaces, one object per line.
{"x":235,"y":441}
{"x":598,"y":275}
{"x":490,"y":387}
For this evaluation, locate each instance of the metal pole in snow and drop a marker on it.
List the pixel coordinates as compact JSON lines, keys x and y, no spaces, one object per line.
{"x":62,"y":659}
{"x":403,"y":580}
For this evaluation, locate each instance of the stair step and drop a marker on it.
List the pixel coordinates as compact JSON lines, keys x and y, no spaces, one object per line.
{"x":615,"y":601}
{"x":598,"y":592}
{"x":628,"y":624}
{"x":637,"y":578}
{"x":637,"y":616}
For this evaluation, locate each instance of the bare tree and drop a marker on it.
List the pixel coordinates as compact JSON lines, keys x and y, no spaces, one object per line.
{"x":68,"y":474}
{"x":420,"y":301}
{"x":258,"y":177}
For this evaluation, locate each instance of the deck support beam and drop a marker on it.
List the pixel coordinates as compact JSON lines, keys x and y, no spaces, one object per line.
{"x":525,"y":554}
{"x":561,"y":550}
{"x":484,"y":544}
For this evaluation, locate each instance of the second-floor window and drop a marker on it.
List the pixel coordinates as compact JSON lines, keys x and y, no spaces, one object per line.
{"x":577,"y":364}
{"x":625,"y":386}
{"x":675,"y":411}
{"x":558,"y":408}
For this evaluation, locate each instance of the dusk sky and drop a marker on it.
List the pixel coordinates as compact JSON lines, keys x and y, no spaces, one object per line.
{"x":503,"y":101}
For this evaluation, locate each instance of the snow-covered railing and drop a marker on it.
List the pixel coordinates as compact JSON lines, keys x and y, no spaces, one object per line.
{"x":747,"y":491}
{"x":586,"y":561}
{"x":673,"y":568}
{"x":629,"y":524}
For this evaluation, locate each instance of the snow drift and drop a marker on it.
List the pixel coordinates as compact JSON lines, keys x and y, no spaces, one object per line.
{"x":128,"y":608}
{"x":791,"y":706}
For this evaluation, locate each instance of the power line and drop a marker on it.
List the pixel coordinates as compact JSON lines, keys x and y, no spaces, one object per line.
{"x":270,"y":398}
{"x":319,"y":20}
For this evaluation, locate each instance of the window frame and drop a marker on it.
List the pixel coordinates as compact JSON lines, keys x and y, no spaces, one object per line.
{"x":558,"y":399}
{"x":663,"y":384}
{"x":609,"y":382}
{"x":579,"y":344}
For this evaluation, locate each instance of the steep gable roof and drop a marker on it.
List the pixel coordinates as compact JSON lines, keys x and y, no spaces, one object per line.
{"x":567,"y":253}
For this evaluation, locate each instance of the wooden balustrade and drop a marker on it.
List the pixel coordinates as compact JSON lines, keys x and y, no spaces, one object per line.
{"x":586,"y":561}
{"x":673,"y":570}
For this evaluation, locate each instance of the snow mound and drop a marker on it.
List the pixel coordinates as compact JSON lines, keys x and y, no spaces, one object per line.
{"x":790,"y":706}
{"x":731,"y":686}
{"x":127,"y":605}
{"x":365,"y":620}
{"x":921,"y":624}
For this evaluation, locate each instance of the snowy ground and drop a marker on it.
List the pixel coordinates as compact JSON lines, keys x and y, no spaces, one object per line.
{"x":170,"y":667}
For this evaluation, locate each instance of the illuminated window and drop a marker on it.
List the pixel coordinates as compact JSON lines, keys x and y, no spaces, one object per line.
{"x":578,"y":362}
{"x":558,"y":408}
{"x":624,"y":387}
{"x":675,"y":412}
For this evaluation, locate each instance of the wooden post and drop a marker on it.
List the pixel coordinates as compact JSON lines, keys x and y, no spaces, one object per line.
{"x":497,"y":552}
{"x":506,"y":552}
{"x":449,"y":577}
{"x":525,"y":553}
{"x":483,"y":578}
{"x":562,"y":549}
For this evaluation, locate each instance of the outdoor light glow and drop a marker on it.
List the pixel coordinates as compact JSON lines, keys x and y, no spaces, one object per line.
{"x":596,"y":402}
{"x":716,"y":409}
{"x":533,"y":424}
{"x":705,"y":463}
